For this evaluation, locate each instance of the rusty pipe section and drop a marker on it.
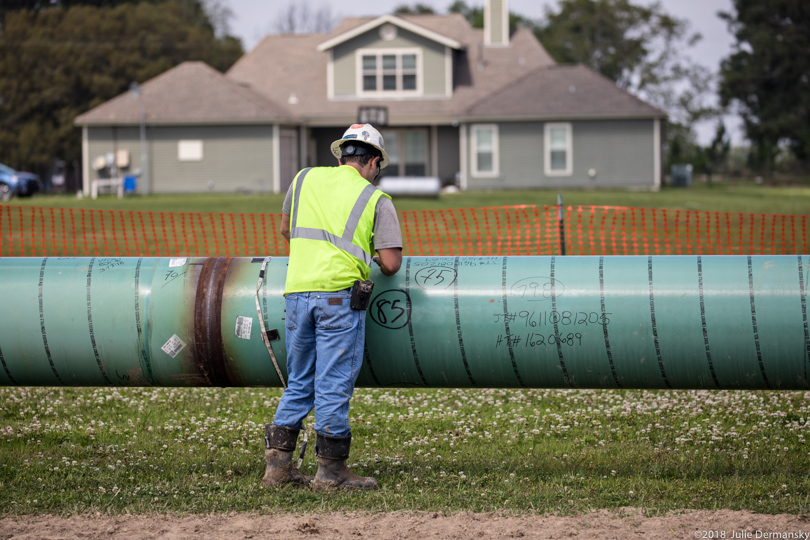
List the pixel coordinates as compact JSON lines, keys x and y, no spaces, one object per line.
{"x":713,"y":322}
{"x":209,"y":351}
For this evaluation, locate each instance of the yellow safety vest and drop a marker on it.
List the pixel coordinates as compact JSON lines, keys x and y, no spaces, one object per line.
{"x":331,"y":226}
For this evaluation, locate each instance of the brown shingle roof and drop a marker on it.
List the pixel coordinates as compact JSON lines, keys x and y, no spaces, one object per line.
{"x":573,"y":91}
{"x":190,"y":93}
{"x":281,"y":67}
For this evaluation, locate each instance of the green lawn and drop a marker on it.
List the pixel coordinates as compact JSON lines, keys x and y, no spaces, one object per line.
{"x":72,"y":451}
{"x":716,"y":197}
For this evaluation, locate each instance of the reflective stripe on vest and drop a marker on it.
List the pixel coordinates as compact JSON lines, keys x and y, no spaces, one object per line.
{"x":343,"y":242}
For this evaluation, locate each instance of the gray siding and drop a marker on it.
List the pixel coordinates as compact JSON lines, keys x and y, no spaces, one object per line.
{"x":235,"y":158}
{"x":620,"y":151}
{"x":105,"y":140}
{"x":344,"y":70}
{"x":434,"y":68}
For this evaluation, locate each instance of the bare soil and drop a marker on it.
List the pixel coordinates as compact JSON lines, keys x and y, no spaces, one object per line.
{"x":604,"y":524}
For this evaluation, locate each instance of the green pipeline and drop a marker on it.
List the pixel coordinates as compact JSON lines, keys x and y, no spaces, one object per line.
{"x":700,"y":322}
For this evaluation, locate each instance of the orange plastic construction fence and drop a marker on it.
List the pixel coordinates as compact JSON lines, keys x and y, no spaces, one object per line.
{"x":509,"y":230}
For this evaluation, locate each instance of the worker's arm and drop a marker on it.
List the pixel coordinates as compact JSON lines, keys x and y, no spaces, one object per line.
{"x":389,"y":260}
{"x":285,"y":227}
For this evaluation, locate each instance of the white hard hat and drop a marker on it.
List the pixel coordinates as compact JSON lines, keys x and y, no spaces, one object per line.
{"x":364,"y":133}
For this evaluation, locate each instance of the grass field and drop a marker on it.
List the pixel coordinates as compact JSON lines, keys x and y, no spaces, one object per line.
{"x":716,"y":197}
{"x":69,"y":451}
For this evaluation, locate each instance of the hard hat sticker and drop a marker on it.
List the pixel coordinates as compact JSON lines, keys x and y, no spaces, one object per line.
{"x":173,"y":346}
{"x":243,"y":327}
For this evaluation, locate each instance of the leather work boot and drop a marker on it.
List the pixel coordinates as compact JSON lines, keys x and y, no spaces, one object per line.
{"x":279,"y":443}
{"x":332,"y":453}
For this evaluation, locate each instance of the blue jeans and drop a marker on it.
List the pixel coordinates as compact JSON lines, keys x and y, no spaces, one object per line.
{"x":324,"y":354}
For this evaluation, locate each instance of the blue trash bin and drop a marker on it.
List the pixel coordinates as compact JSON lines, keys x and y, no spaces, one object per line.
{"x":130,"y":184}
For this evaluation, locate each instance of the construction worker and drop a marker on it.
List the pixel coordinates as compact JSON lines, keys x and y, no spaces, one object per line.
{"x":334,"y":219}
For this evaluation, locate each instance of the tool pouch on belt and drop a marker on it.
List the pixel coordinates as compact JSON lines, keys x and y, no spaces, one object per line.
{"x":361,"y":294}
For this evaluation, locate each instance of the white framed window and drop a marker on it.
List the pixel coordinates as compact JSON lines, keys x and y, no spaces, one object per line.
{"x":485,"y":154}
{"x":189,"y":150}
{"x":558,"y":143}
{"x":389,"y":72}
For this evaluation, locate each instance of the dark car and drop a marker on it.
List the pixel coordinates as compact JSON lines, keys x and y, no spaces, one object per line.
{"x":22,"y":184}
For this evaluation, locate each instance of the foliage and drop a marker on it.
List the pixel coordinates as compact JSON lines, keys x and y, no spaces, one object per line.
{"x":158,"y":450}
{"x":766,"y":76}
{"x":681,"y":147}
{"x":416,"y":9}
{"x":719,"y":151}
{"x":638,"y":47}
{"x":475,"y":16}
{"x":57,"y":63}
{"x":297,"y":18}
{"x":211,"y":13}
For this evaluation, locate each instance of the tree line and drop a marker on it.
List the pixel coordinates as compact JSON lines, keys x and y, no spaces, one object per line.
{"x":60,"y":58}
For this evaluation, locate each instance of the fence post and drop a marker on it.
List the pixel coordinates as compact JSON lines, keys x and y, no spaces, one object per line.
{"x":560,"y":223}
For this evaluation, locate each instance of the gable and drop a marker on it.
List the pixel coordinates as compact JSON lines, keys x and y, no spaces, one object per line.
{"x":355,"y":30}
{"x":390,"y":54}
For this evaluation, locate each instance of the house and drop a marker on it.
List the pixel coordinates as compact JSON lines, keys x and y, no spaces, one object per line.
{"x":482,"y":108}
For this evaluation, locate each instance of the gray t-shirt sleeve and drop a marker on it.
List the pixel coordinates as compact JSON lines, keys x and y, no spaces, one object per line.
{"x":386,"y":225}
{"x":286,"y":208}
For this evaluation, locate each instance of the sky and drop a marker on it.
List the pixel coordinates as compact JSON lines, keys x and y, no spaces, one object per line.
{"x":252,"y":19}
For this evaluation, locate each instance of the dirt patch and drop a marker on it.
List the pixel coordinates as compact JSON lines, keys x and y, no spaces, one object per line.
{"x":622,"y":524}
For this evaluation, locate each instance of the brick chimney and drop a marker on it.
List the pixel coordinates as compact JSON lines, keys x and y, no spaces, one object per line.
{"x":496,"y":23}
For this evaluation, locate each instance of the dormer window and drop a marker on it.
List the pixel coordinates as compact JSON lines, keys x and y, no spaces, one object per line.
{"x":389,"y":72}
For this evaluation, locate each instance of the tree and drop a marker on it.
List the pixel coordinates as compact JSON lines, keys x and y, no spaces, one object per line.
{"x":766,"y":77}
{"x":681,"y":147}
{"x":416,"y":9}
{"x":58,"y":63}
{"x":475,"y":16}
{"x":39,"y":5}
{"x":298,"y":19}
{"x":717,"y":153}
{"x":638,"y":47}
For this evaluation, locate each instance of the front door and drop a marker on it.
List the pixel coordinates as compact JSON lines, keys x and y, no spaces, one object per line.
{"x":407,"y":151}
{"x":288,"y":154}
